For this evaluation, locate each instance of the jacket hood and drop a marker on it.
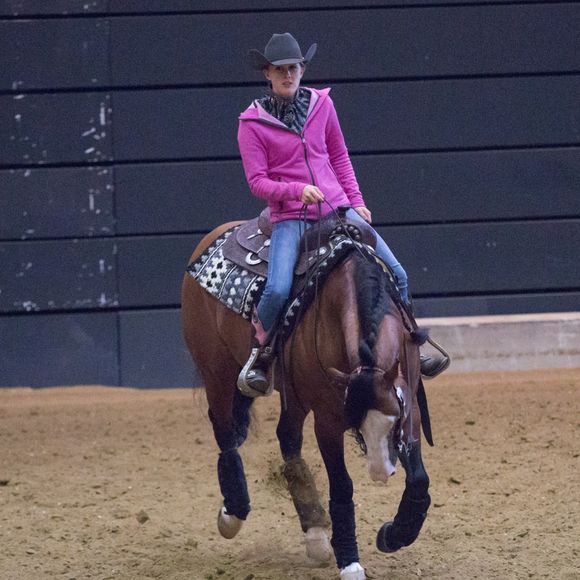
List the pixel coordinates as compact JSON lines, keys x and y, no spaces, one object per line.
{"x":252,"y":112}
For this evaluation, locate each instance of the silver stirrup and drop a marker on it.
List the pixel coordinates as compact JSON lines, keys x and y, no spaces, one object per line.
{"x":246,"y":374}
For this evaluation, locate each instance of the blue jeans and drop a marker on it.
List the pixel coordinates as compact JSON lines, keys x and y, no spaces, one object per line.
{"x":283,"y":254}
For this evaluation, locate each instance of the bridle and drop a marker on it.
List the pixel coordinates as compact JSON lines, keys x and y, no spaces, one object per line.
{"x":404,"y":412}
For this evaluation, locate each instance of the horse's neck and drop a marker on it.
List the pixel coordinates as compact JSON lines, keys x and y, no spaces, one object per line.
{"x":342,"y":320}
{"x":338,"y":319}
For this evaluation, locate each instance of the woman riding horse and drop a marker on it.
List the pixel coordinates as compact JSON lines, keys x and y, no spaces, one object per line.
{"x":294,"y":157}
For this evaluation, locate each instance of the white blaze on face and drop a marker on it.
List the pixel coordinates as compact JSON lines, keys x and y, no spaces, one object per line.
{"x":376,"y":429}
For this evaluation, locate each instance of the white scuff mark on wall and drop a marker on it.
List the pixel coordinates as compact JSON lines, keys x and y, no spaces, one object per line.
{"x":102,"y":299}
{"x":29,"y":232}
{"x":91,"y":201}
{"x":24,"y":267}
{"x":103,"y":114}
{"x":89,"y":150}
{"x":19,"y":97}
{"x":27,"y":173}
{"x":18,"y":117}
{"x":16,"y":84}
{"x":102,"y":269}
{"x":89,"y":132}
{"x":28,"y":305}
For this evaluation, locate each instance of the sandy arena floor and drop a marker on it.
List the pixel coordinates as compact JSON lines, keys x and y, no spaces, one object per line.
{"x":115,"y":483}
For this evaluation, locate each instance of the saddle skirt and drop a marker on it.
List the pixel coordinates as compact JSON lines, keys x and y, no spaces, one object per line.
{"x":234,"y":267}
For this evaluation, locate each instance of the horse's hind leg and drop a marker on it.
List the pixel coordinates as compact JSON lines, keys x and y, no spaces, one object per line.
{"x":312,"y":516}
{"x":230,"y":417}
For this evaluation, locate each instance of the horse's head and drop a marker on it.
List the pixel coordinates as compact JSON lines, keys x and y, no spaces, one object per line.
{"x":376,"y":407}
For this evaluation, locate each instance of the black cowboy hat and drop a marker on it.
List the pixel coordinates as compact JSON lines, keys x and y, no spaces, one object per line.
{"x":281,"y":49}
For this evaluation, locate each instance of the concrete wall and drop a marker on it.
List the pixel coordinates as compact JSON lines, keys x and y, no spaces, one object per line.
{"x":509,"y":343}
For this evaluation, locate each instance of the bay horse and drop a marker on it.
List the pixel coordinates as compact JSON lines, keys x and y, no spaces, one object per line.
{"x":353,"y":363}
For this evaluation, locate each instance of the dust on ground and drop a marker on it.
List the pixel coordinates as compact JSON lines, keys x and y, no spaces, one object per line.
{"x":110,"y":483}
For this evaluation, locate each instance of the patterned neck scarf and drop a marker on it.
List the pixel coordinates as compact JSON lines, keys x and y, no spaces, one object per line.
{"x":292,"y":112}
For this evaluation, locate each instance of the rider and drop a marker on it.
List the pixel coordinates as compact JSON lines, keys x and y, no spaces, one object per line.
{"x":295,"y":157}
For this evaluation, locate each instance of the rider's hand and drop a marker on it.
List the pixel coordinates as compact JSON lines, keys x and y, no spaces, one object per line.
{"x":311,"y":194}
{"x":364,"y":213}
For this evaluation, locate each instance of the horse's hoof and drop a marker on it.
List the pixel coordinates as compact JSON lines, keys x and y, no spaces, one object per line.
{"x":353,"y":571}
{"x":317,"y":544}
{"x":228,"y":526}
{"x":384,"y":538}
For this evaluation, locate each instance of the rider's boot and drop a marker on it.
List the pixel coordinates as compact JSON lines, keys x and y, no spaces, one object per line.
{"x":431,"y":365}
{"x":253,"y":378}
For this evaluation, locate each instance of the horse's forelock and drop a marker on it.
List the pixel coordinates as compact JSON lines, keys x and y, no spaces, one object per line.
{"x":360,"y":398}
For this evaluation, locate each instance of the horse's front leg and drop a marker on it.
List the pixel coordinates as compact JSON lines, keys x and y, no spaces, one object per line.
{"x":405,"y":528}
{"x":330,"y":437}
{"x":301,"y":484}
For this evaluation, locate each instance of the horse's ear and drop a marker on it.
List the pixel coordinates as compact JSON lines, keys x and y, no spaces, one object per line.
{"x":338,"y":377}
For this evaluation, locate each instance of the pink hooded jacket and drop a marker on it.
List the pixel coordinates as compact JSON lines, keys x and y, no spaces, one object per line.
{"x":279,"y":162}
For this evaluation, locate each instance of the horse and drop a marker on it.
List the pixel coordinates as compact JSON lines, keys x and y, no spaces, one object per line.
{"x":354,"y":363}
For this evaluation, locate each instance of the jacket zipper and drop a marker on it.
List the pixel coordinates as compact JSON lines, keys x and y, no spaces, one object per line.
{"x":306,"y":159}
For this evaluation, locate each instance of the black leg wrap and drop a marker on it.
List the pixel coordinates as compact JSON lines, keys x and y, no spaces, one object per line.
{"x":233,"y":485}
{"x":343,"y":533}
{"x":241,"y":413}
{"x":403,"y":531}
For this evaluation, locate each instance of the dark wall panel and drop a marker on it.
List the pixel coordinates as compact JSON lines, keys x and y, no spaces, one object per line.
{"x":48,"y":350}
{"x":54,"y":128}
{"x":383,"y":43}
{"x":180,"y":197}
{"x":57,"y":275}
{"x":473,"y":113}
{"x":498,"y":304}
{"x":407,"y":188}
{"x":60,"y":7}
{"x":485,"y":258}
{"x":195,"y":123}
{"x":143,"y":6}
{"x":469,"y":113}
{"x":39,"y":54}
{"x":471,"y":186}
{"x":151,"y":269}
{"x":153,"y":353}
{"x":60,"y":202}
